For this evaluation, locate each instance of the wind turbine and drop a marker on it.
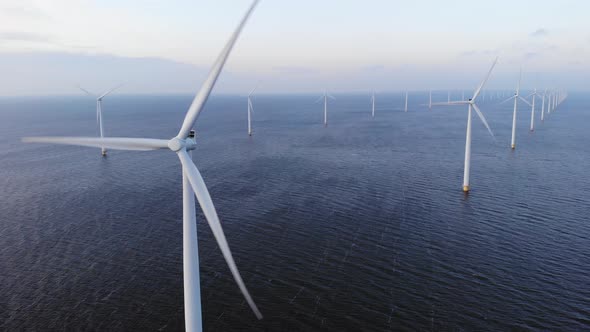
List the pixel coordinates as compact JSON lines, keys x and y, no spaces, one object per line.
{"x":430,"y":100}
{"x":516,"y":97}
{"x":325,"y":97}
{"x":406,"y":107}
{"x":534,"y":95}
{"x":472,"y":105}
{"x":99,"y":111}
{"x":250,"y":109}
{"x":192,"y":185}
{"x":543,"y":105}
{"x":373,"y":104}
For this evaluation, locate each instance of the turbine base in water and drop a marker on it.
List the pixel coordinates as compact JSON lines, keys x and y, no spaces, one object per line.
{"x":513,"y":146}
{"x":104,"y":153}
{"x":466,"y":189}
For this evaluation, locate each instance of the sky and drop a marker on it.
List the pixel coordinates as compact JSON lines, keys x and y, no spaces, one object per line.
{"x":304,"y":46}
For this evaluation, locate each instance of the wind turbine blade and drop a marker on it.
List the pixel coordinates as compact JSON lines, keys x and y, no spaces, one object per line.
{"x":256,"y":87}
{"x":208,"y":208}
{"x":332,"y":97}
{"x":109,"y":91}
{"x":319,"y":99}
{"x":451,"y":103}
{"x":485,"y":80}
{"x":250,"y":104}
{"x":86,"y":91}
{"x":526,"y":101}
{"x":201,"y":98}
{"x":115,"y":143}
{"x":507,"y":100}
{"x":483,"y":119}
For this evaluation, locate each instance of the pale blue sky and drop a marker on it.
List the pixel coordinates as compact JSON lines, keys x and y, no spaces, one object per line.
{"x":46,"y":47}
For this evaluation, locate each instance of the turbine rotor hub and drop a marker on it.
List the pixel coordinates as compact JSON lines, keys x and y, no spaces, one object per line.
{"x":176,"y":144}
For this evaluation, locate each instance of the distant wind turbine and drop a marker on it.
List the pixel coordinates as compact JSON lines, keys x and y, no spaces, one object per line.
{"x":373,"y":104}
{"x":250,"y":109}
{"x":534,"y":95}
{"x":430,"y":100}
{"x":192,"y":185}
{"x":516,"y":97}
{"x":99,"y":111}
{"x":406,"y":107}
{"x":472,"y":105}
{"x":325,"y":97}
{"x":543,"y":105}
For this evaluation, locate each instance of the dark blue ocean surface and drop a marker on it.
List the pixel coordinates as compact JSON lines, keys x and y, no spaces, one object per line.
{"x":358,"y":226}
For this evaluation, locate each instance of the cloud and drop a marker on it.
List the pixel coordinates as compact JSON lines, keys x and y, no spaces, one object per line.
{"x":24,"y":37}
{"x":28,"y":37}
{"x":471,"y":53}
{"x":33,"y":13}
{"x":294,"y":70}
{"x":530,"y":55}
{"x":539,"y":33}
{"x":373,"y":68}
{"x":37,"y":73}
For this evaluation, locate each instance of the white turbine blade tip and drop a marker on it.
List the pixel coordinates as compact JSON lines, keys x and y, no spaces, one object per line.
{"x":86,"y":91}
{"x":477,"y":92}
{"x":208,"y":208}
{"x":483,"y":120}
{"x":203,"y":94}
{"x":109,"y":91}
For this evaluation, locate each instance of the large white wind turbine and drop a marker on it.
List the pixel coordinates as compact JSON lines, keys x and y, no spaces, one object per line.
{"x":516,"y":98}
{"x":250,"y":109}
{"x":472,"y":105}
{"x":99,"y":111}
{"x":192,"y":183}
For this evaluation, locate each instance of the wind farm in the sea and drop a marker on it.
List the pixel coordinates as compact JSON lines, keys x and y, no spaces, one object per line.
{"x":380,"y":199}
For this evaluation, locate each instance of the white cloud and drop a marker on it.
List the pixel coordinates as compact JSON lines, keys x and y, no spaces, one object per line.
{"x":539,"y":33}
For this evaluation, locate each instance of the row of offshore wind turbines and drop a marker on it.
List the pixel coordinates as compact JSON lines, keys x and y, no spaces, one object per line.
{"x":193,"y":185}
{"x":550,"y":100}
